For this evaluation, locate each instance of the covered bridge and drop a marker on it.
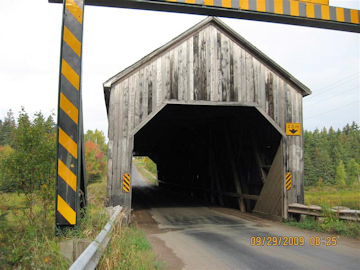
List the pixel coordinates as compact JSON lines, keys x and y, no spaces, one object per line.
{"x":216,"y":115}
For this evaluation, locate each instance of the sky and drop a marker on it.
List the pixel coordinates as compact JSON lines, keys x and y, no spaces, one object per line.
{"x":326,"y":61}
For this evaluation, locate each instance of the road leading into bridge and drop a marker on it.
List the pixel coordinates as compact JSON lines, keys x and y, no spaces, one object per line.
{"x":190,"y":235}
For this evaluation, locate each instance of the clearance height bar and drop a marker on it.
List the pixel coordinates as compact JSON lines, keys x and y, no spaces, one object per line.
{"x":70,"y":183}
{"x":312,"y":13}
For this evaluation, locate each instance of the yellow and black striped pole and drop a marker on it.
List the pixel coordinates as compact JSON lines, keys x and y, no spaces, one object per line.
{"x":70,"y":182}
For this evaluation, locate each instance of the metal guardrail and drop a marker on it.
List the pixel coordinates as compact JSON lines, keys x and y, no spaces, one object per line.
{"x":92,"y":254}
{"x":314,"y":210}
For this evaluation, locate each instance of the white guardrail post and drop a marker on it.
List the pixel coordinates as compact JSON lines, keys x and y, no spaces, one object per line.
{"x":92,"y":254}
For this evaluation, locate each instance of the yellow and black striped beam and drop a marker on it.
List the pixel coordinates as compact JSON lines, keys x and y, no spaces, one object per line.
{"x":70,"y":175}
{"x":312,"y":13}
{"x":126,"y":183}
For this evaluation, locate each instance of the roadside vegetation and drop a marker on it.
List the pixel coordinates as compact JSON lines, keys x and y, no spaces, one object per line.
{"x":330,"y":224}
{"x":28,"y":238}
{"x":332,"y":178}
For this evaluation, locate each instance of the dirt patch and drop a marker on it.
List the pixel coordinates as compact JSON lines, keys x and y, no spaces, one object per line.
{"x":143,"y":219}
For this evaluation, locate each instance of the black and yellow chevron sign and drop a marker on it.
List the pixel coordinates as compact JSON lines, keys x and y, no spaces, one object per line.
{"x":126,"y":182}
{"x":288,"y":180}
{"x":69,"y":116}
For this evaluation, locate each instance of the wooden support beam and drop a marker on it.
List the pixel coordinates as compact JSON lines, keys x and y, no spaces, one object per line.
{"x":259,"y":163}
{"x":214,"y":171}
{"x":234,"y":170}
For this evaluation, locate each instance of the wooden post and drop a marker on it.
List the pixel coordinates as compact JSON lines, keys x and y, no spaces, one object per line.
{"x":233,"y":167}
{"x":214,"y":171}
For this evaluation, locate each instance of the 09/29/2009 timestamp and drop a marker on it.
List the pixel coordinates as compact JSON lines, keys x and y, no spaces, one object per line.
{"x":315,"y":241}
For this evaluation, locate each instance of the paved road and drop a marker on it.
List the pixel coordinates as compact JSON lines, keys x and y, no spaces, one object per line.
{"x":189,"y":235}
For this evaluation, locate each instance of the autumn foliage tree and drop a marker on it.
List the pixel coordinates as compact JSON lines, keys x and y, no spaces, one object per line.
{"x":95,"y":162}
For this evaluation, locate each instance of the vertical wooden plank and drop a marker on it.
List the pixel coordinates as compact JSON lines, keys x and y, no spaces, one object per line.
{"x":140,"y":91}
{"x":190,"y":65}
{"x":146,"y":92}
{"x":256,"y":76}
{"x":150,"y":88}
{"x":111,"y":144}
{"x":126,"y":127}
{"x":182,"y":58}
{"x":276,"y":99}
{"x":269,"y":94}
{"x":132,"y":93}
{"x":250,"y":79}
{"x":213,"y":64}
{"x":166,"y":73}
{"x":205,"y":95}
{"x":208,"y":66}
{"x":219,"y":66}
{"x":231,"y":71}
{"x":137,"y":98}
{"x":174,"y":75}
{"x":159,"y":91}
{"x":243,"y":68}
{"x":225,"y":68}
{"x":122,"y":123}
{"x":197,"y":82}
{"x":282,"y":105}
{"x":180,"y":54}
{"x":236,"y":71}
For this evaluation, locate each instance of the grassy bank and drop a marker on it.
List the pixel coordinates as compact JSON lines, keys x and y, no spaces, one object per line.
{"x":328,"y":197}
{"x":334,"y":196}
{"x":32,"y":244}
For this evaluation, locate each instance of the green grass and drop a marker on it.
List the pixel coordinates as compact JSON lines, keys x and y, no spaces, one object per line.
{"x":26,"y":244}
{"x":129,"y":249}
{"x":330,"y":225}
{"x":328,"y":197}
{"x":334,"y":196}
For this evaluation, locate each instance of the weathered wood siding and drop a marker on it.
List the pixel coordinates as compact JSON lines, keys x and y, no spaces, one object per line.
{"x":205,"y":67}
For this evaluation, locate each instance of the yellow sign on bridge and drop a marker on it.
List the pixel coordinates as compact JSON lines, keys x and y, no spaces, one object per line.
{"x":293,"y":129}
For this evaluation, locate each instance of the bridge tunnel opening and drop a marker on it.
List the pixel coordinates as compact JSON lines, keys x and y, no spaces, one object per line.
{"x":219,"y":154}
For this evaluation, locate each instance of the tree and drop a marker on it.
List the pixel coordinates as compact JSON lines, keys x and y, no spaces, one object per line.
{"x":94,"y":162}
{"x":7,"y":129}
{"x":5,"y":184}
{"x":31,"y":166}
{"x":340,"y":176}
{"x":97,"y":137}
{"x":353,"y":171}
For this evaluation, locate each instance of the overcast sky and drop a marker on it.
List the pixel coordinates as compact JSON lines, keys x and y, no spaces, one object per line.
{"x":326,"y":61}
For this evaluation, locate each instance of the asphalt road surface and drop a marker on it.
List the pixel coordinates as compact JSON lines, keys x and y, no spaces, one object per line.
{"x":186,"y":234}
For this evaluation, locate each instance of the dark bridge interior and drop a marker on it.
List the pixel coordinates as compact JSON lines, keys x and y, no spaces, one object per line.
{"x":213,"y":153}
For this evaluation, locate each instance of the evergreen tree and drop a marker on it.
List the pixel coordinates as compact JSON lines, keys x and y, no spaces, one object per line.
{"x":340,"y":176}
{"x":324,"y":150}
{"x":7,"y":129}
{"x":353,"y":171}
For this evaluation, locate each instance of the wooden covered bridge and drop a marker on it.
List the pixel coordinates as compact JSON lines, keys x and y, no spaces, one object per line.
{"x":221,"y":120}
